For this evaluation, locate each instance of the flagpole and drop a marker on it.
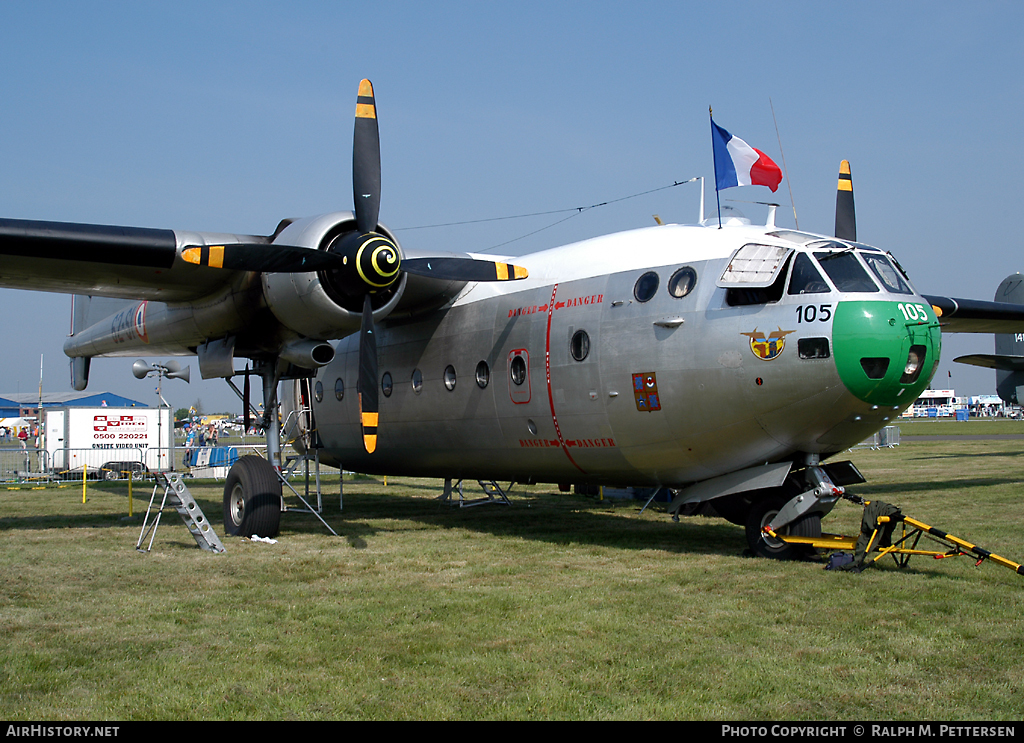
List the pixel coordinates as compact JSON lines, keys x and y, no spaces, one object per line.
{"x":714,"y":160}
{"x":701,"y":220}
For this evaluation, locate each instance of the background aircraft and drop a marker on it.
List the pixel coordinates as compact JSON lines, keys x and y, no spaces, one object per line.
{"x":1008,"y":358}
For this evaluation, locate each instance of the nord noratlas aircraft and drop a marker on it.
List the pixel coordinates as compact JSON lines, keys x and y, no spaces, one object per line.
{"x":729,"y":363}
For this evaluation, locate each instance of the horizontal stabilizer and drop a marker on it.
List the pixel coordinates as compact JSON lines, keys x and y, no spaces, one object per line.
{"x":993,"y":361}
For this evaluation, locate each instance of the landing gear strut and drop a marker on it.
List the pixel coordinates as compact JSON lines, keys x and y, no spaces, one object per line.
{"x":783,"y":513}
{"x":761,"y":515}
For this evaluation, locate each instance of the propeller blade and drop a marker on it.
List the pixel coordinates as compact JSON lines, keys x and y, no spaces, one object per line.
{"x":367,"y":384}
{"x":262,"y":257}
{"x":366,"y":160}
{"x":846,"y":217}
{"x":464,"y":269}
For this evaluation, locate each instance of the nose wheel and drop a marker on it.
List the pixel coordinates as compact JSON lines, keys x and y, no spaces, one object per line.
{"x":764,"y":545}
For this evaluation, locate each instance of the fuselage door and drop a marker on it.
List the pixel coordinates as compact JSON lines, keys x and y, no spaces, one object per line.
{"x":519,"y":376}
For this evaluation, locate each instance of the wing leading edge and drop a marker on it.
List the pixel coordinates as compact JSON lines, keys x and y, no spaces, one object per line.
{"x":977,"y":316}
{"x":103,"y":260}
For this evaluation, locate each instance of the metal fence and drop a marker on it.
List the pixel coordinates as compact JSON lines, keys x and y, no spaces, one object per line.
{"x":214,"y":462}
{"x":888,"y":438}
{"x":65,"y":465}
{"x":33,"y":465}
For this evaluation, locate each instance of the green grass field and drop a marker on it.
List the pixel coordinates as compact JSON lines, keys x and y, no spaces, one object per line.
{"x":558,"y":607}
{"x":950,"y":427}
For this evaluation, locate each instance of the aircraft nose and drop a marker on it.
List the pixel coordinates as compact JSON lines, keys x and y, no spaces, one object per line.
{"x":886,"y":352}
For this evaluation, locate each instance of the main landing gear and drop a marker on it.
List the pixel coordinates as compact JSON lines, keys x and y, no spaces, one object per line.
{"x":253,"y":499}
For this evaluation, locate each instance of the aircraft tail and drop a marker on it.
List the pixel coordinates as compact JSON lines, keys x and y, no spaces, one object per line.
{"x":1010,"y":381}
{"x":1008,"y":360}
{"x":86,"y":311}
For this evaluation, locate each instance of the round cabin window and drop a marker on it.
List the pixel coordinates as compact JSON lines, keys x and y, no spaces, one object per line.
{"x":646,"y":287}
{"x":579,"y":346}
{"x":483,"y":375}
{"x":518,"y":370}
{"x":682,"y":282}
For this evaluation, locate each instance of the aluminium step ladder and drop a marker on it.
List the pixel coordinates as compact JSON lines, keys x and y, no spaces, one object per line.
{"x":177,"y":496}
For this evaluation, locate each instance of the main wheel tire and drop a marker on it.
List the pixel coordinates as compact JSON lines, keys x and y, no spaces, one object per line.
{"x":252,"y":499}
{"x":761,"y":514}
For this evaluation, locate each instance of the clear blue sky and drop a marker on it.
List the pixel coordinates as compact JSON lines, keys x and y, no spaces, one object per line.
{"x":230,"y":116}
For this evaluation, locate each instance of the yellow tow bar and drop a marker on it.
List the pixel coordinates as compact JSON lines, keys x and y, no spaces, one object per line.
{"x":904,"y":547}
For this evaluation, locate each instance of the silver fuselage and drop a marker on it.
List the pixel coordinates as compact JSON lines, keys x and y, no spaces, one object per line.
{"x":719,"y":404}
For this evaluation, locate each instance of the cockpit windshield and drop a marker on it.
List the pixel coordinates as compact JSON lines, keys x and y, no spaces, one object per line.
{"x":805,"y":278}
{"x":846,"y":271}
{"x":889,"y":276}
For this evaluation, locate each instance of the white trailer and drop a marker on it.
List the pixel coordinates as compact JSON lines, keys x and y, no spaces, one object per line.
{"x":109,"y":441}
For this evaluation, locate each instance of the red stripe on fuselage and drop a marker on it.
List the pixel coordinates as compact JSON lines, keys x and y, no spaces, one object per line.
{"x":547,"y":375}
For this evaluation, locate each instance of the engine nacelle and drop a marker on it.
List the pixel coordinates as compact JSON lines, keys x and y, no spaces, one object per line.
{"x":323,"y":304}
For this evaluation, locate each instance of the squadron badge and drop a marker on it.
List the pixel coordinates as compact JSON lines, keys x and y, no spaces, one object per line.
{"x":768,"y":347}
{"x":645,"y":392}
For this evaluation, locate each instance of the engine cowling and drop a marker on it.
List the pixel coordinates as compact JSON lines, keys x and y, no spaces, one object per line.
{"x":328,"y":304}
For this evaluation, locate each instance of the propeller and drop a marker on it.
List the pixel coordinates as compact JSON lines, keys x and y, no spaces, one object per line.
{"x":366,"y":386}
{"x":363,"y":258}
{"x":463,"y":269}
{"x":263,"y":257}
{"x":361,"y":263}
{"x":846,"y":217}
{"x":373,"y":262}
{"x":366,"y":160}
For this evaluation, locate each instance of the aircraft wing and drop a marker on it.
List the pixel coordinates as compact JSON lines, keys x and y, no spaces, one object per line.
{"x":976,"y":316}
{"x":108,"y":261}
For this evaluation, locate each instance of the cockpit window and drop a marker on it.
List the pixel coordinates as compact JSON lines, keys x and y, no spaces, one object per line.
{"x":846,"y":271}
{"x":755,"y":265}
{"x":889,"y":276}
{"x":806,"y":279}
{"x":737,"y":296}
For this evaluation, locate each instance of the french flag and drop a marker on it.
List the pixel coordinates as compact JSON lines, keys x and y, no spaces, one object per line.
{"x":739,"y":164}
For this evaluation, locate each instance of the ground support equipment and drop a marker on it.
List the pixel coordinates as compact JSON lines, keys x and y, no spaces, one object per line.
{"x":492,"y":494}
{"x":879,"y":537}
{"x":177,"y":496}
{"x":286,"y":473}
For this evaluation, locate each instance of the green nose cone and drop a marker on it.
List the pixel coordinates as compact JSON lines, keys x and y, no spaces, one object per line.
{"x":875,"y":345}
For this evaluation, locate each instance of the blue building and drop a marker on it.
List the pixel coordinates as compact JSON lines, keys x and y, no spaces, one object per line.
{"x":27,"y":403}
